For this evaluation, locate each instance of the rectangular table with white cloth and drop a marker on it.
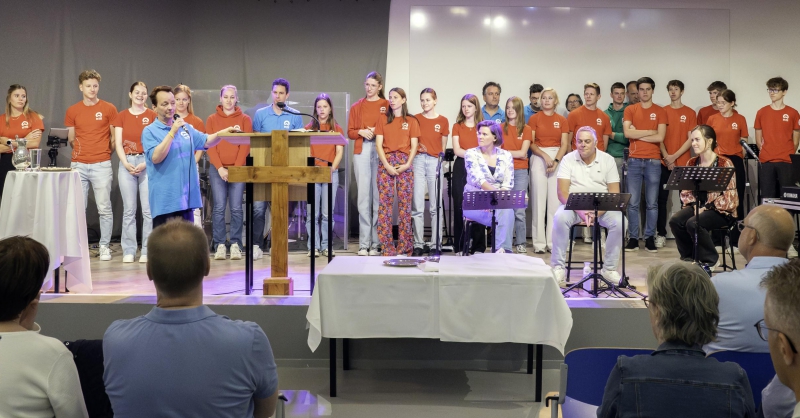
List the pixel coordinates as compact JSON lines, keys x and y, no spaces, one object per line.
{"x":48,"y":207}
{"x":487,"y":298}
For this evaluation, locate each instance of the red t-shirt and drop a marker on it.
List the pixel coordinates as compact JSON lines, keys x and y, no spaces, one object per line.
{"x":324,"y":153}
{"x":364,"y":114}
{"x":397,"y":135}
{"x":512,"y":141}
{"x":729,"y":131}
{"x":679,"y":123}
{"x":776,"y":129}
{"x":431,"y":133}
{"x":92,"y":131}
{"x":20,"y":126}
{"x":645,"y":120}
{"x":547,"y":130}
{"x":705,"y":113}
{"x":596,"y":119}
{"x":225,"y":154}
{"x":196,"y":122}
{"x":132,"y":127}
{"x":467,"y":137}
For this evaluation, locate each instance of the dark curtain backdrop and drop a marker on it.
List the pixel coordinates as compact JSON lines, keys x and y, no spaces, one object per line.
{"x":318,"y":45}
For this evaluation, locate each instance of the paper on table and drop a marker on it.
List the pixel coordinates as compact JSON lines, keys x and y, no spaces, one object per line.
{"x":429,"y":267}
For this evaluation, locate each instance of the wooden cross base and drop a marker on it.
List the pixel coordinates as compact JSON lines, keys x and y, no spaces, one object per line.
{"x":279,"y":286}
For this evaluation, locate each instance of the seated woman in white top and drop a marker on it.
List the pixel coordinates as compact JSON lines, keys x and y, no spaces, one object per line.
{"x":490,"y":167}
{"x":38,"y":377}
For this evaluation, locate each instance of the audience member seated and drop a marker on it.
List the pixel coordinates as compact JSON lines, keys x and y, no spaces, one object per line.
{"x":37,"y":375}
{"x":182,"y":359}
{"x":781,"y":329}
{"x":586,"y":170}
{"x":678,"y":380}
{"x":490,"y":167}
{"x":717,"y":209}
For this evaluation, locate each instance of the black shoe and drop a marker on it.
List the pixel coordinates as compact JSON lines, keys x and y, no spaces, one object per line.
{"x":650,"y":245}
{"x":426,"y":249}
{"x":633,"y":245}
{"x":417,"y":252}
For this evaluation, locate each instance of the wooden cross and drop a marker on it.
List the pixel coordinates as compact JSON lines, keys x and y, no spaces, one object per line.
{"x":280,"y":174}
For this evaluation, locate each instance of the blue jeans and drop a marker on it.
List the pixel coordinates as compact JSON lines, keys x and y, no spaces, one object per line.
{"x":225,"y":193}
{"x":521,"y":179}
{"x":261,"y":218}
{"x":424,"y":167}
{"x":505,"y":225}
{"x":365,"y":166}
{"x":128,"y":186}
{"x":99,"y":176}
{"x":648,"y":170}
{"x":321,"y":213}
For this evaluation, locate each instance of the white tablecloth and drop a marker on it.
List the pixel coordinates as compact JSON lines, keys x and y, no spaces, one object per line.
{"x":490,"y":298}
{"x":48,"y":207}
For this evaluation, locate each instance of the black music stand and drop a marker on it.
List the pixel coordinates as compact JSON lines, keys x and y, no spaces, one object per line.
{"x":494,"y":200}
{"x":699,"y":179}
{"x":608,"y":202}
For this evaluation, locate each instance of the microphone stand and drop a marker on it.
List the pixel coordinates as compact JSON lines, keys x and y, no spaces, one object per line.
{"x":283,"y":107}
{"x":438,"y":230}
{"x":749,"y":151}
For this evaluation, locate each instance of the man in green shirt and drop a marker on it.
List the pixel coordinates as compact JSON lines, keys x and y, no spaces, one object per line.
{"x":617,"y":141}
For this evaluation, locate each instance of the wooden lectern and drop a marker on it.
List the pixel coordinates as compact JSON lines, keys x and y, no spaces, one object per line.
{"x":278,"y":173}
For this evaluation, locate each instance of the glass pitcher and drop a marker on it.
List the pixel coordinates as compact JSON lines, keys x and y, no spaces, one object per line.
{"x":21,"y":158}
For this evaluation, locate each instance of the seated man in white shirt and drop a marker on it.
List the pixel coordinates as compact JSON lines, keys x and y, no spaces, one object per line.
{"x":586,"y":170}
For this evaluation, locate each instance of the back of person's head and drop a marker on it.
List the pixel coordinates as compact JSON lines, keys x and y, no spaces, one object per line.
{"x":782,"y":305}
{"x":24,"y":263}
{"x":718,"y":86}
{"x":684,"y":303}
{"x":178,"y":257}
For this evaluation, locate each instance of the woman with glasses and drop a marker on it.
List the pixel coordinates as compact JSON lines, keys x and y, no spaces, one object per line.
{"x":677,"y":379}
{"x":717,"y":209}
{"x":574,"y":101}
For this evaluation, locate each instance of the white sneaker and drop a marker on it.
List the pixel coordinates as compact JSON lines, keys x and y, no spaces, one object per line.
{"x":127,"y":258}
{"x":792,"y":253}
{"x":374,"y":252}
{"x":316,"y":253}
{"x":143,"y":258}
{"x":612,"y":276}
{"x":325,"y":252}
{"x":221,"y":253}
{"x":105,"y":253}
{"x":603,"y":240}
{"x":257,"y":253}
{"x":560,"y":275}
{"x":521,"y":249}
{"x":363,"y":252}
{"x":236,"y":253}
{"x":660,"y":241}
{"x":587,"y":239}
{"x":499,"y":251}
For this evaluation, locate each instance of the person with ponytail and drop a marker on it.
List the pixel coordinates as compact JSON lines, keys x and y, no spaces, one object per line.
{"x":19,"y":121}
{"x":364,"y":117}
{"x":396,"y":141}
{"x":517,"y":141}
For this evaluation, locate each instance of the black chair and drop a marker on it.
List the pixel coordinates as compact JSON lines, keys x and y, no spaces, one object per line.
{"x":570,"y":262}
{"x":466,"y":235}
{"x":727,"y":233}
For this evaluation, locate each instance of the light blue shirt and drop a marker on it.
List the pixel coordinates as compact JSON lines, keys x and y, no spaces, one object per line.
{"x":529,"y":112}
{"x":266,"y":120}
{"x":186,"y":363}
{"x":499,"y":116}
{"x":174,"y":184}
{"x":741,"y":305}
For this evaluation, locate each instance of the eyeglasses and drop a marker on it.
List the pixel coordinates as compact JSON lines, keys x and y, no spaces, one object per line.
{"x":762,"y":329}
{"x":774,"y":91}
{"x":741,"y":226}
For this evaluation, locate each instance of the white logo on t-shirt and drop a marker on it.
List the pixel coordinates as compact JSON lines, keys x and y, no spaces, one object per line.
{"x":437,"y":127}
{"x":652,"y":116}
{"x":404,"y":126}
{"x":786,"y":117}
{"x":25,"y":124}
{"x":599,"y":121}
{"x":683,"y":118}
{"x":145,"y":121}
{"x":498,"y":120}
{"x":556,"y":125}
{"x":734,"y":125}
{"x":237,"y":127}
{"x":185,"y":134}
{"x":383,"y":109}
{"x":286,"y":124}
{"x":98,"y":116}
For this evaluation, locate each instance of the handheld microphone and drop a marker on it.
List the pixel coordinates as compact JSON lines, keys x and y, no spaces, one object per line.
{"x":282,"y":106}
{"x":176,"y":117}
{"x":625,"y":153}
{"x":748,"y":149}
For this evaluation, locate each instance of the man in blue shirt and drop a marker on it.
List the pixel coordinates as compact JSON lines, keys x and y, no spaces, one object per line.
{"x":169,"y":146}
{"x":181,"y":359}
{"x":269,"y":119}
{"x":491,"y":96}
{"x":534,"y":94}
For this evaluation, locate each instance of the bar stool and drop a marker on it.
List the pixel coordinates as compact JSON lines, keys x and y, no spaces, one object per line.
{"x":727,"y":246}
{"x":569,"y":262}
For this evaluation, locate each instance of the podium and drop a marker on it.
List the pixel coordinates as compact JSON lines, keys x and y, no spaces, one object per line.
{"x":277,"y":172}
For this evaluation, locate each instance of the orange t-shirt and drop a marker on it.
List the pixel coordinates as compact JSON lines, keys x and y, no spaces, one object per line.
{"x":512,"y":141}
{"x":364,"y":114}
{"x":431,"y":133}
{"x":226,"y":154}
{"x":776,"y":129}
{"x":92,"y":131}
{"x":596,"y":119}
{"x":705,"y":113}
{"x":196,"y":122}
{"x":548,"y":130}
{"x":467,"y":137}
{"x":679,"y":123}
{"x":324,"y":153}
{"x":729,"y":131}
{"x":20,"y":127}
{"x":645,"y":120}
{"x":132,"y":127}
{"x":397,"y":135}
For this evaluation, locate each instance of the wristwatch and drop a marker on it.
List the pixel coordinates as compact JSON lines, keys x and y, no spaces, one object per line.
{"x":556,"y":160}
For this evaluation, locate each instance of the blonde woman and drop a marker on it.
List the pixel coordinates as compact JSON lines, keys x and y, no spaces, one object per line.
{"x":517,"y":141}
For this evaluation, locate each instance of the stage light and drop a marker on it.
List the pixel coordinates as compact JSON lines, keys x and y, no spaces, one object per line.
{"x":500,"y":22}
{"x":590,"y":23}
{"x":418,"y":20}
{"x":459,"y":11}
{"x":487,"y":21}
{"x":622,"y":25}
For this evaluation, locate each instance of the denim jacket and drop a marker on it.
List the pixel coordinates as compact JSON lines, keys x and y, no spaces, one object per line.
{"x":676,"y":380}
